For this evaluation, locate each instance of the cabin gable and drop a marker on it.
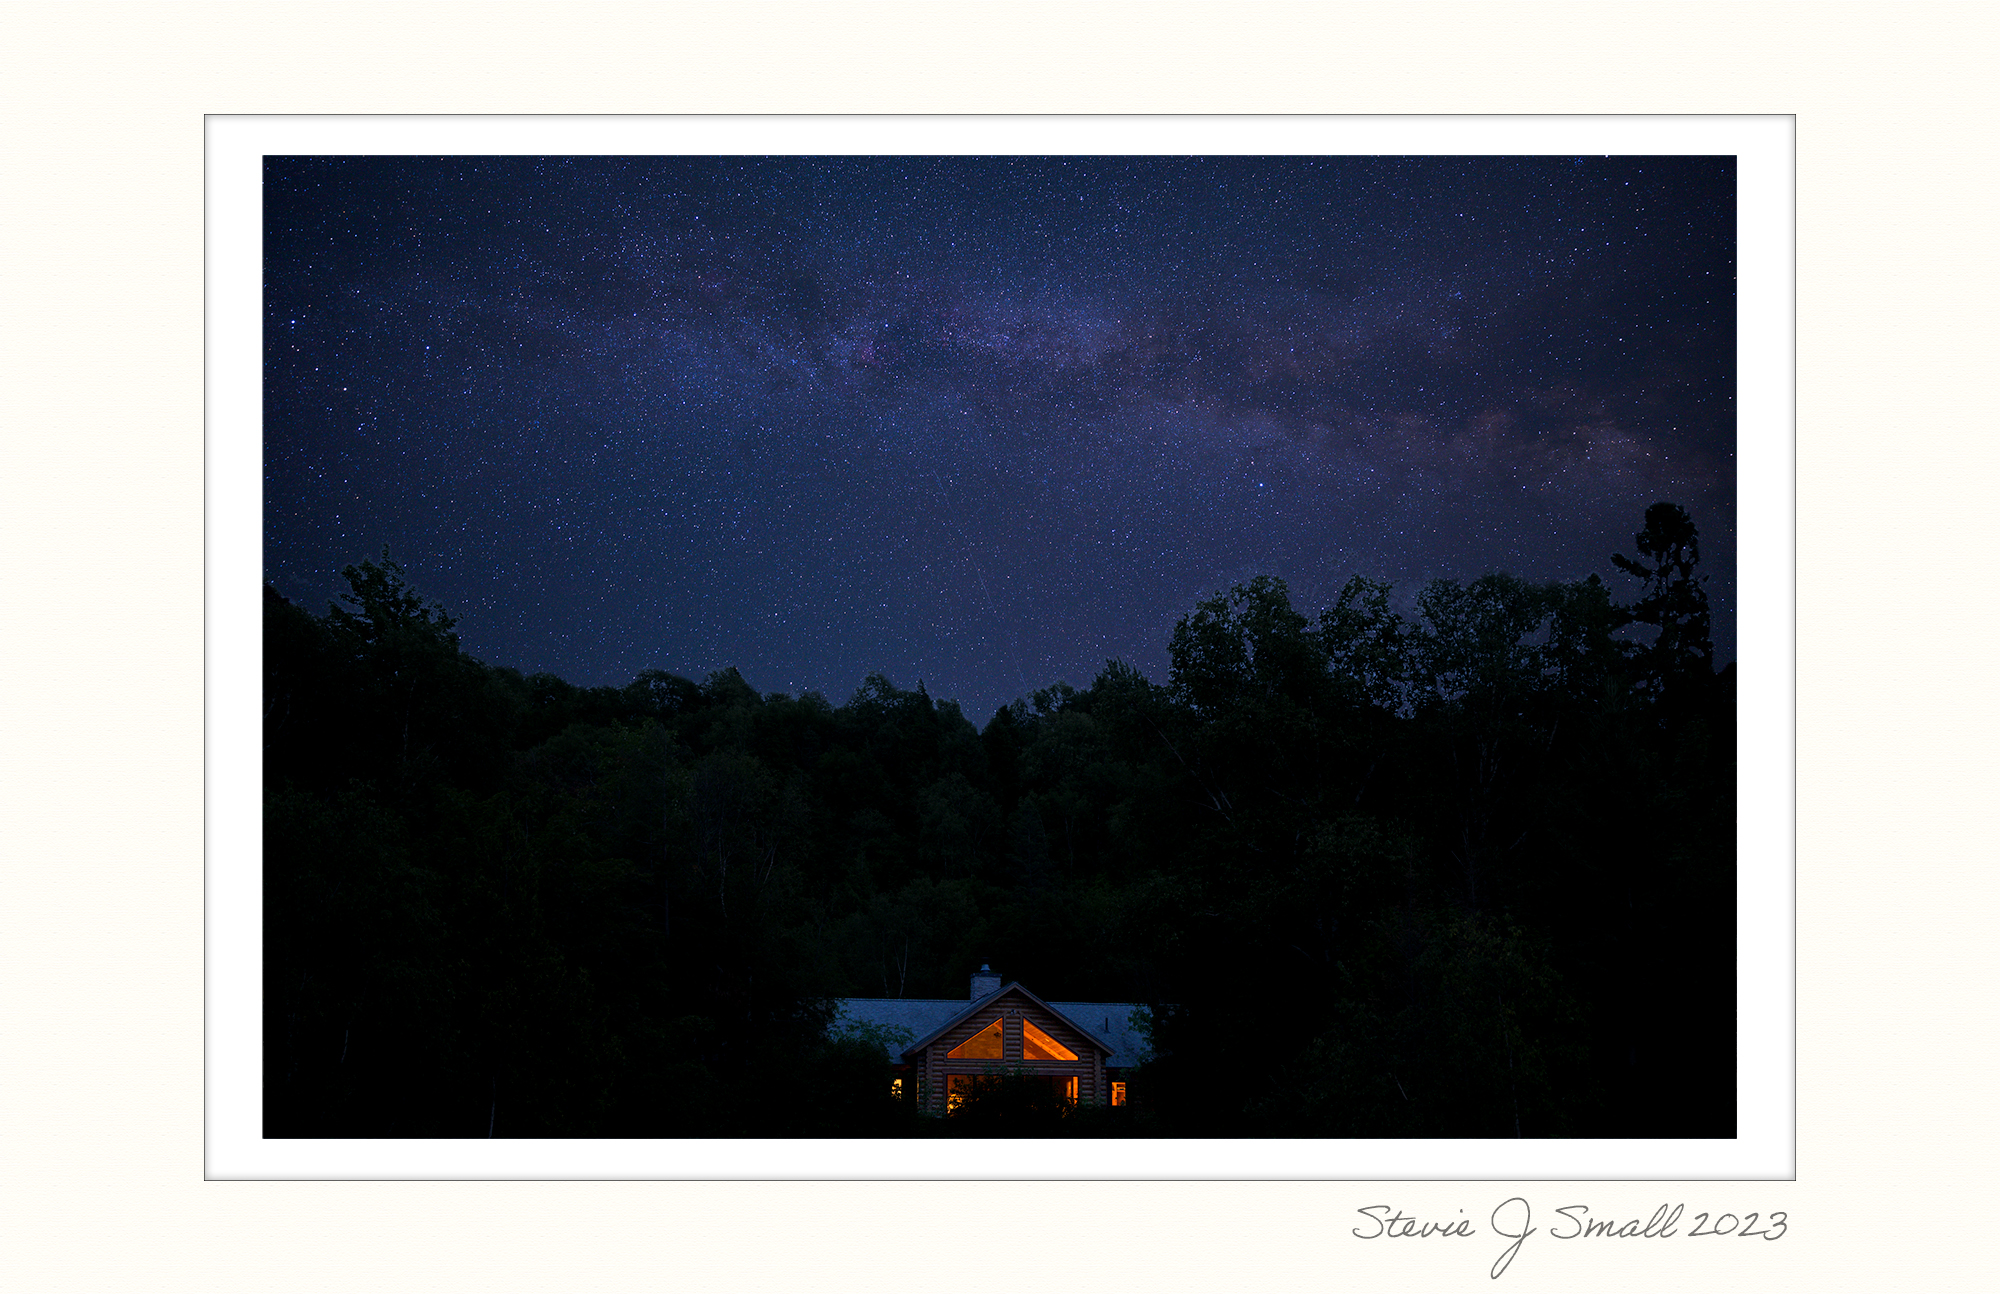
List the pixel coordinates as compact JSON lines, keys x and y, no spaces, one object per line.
{"x":1084,"y":1050}
{"x":1012,"y":1032}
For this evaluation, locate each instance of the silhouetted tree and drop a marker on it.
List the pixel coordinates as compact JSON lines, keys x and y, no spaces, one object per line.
{"x":1674,"y":603}
{"x":1376,"y":873}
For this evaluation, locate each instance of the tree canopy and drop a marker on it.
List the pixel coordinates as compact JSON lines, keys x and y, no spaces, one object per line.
{"x":1466,"y":870}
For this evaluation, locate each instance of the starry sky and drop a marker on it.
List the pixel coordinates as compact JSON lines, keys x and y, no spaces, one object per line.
{"x":982,"y":423}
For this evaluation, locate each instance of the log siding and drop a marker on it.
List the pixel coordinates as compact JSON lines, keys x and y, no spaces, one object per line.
{"x":1011,"y":1006}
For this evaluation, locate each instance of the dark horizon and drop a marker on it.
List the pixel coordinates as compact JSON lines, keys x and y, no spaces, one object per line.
{"x":980,"y":422}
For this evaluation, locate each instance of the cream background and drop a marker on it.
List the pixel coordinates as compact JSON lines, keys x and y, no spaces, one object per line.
{"x":101,"y":942}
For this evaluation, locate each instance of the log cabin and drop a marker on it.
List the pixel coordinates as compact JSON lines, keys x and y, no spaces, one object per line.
{"x":939,"y":1047}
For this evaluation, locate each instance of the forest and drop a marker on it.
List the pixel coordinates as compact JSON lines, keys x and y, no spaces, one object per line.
{"x":1462,"y":866}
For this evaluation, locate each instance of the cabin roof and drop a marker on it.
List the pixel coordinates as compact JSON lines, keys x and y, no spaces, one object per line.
{"x":919,"y":1020}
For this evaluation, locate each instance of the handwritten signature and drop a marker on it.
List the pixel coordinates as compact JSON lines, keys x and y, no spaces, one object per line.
{"x":1513,"y":1219}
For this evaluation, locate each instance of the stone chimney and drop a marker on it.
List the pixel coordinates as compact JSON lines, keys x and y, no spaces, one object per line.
{"x":985,"y":982}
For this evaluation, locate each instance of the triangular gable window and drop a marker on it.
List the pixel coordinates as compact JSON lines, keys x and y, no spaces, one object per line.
{"x":984,"y":1045}
{"x":1036,"y":1045}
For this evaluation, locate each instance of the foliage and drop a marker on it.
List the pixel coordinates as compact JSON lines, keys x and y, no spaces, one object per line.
{"x":1462,"y":871}
{"x":1675,"y":603}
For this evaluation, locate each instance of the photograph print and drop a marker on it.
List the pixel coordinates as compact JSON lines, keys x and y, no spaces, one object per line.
{"x":999,"y":646}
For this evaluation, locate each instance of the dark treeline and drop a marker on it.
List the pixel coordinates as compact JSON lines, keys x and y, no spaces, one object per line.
{"x":1467,"y":871}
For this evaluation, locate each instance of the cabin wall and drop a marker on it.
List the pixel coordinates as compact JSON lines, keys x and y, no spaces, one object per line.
{"x":1088,"y":1068}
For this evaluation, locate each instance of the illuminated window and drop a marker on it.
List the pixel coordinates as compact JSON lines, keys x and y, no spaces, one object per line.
{"x":896,"y":1088}
{"x":1117,"y":1093}
{"x":1036,"y":1045}
{"x":984,"y":1045}
{"x":956,"y":1088}
{"x":1067,"y":1087}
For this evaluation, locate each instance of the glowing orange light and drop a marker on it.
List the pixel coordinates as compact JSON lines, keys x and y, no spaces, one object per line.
{"x":1036,"y":1045}
{"x":984,"y":1045}
{"x":1118,"y":1094}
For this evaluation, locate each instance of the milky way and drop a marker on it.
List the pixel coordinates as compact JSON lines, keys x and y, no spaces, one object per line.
{"x":980,"y":422}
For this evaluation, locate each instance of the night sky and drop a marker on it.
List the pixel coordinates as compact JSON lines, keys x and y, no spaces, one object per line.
{"x":979,"y":422}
